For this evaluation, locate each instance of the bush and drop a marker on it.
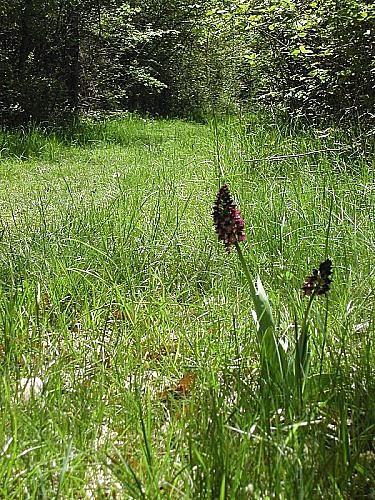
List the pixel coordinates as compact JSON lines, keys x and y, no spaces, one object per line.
{"x":312,"y":59}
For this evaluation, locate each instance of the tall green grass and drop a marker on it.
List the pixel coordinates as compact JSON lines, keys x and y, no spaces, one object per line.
{"x":113,"y":288}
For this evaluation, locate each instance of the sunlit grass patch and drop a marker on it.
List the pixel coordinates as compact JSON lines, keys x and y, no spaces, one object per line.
{"x":116,"y":296}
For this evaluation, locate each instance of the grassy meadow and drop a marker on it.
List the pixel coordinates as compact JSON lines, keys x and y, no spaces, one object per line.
{"x":129,"y":360}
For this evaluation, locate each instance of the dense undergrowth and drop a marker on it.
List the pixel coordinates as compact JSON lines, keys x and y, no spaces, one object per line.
{"x":128,"y":351}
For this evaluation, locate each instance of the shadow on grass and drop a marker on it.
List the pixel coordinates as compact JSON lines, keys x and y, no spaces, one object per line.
{"x":36,"y":141}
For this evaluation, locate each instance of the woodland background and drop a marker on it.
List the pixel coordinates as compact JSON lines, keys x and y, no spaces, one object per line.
{"x":310,"y":59}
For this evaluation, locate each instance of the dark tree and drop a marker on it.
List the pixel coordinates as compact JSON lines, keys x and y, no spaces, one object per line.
{"x":39,"y":54}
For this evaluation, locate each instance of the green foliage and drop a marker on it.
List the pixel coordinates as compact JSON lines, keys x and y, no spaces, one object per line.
{"x":116,"y":71}
{"x":312,"y":59}
{"x":61,"y":57}
{"x":158,"y":57}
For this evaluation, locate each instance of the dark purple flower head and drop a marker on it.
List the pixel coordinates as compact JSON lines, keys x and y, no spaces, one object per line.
{"x":229,"y":224}
{"x":319,"y":281}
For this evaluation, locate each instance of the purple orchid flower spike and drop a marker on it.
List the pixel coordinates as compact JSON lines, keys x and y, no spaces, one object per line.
{"x":319,"y":282}
{"x":229,"y":224}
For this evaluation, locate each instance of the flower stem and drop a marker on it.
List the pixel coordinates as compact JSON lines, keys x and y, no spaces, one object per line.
{"x":246,"y":271}
{"x":302,"y":352}
{"x":262,"y":307}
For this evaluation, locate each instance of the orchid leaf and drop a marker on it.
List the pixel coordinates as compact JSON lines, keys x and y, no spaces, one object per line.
{"x":262,"y":310}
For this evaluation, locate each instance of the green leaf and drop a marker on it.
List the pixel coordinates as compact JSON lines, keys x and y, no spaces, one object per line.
{"x":274,"y":359}
{"x":262,"y":310}
{"x":303,"y":50}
